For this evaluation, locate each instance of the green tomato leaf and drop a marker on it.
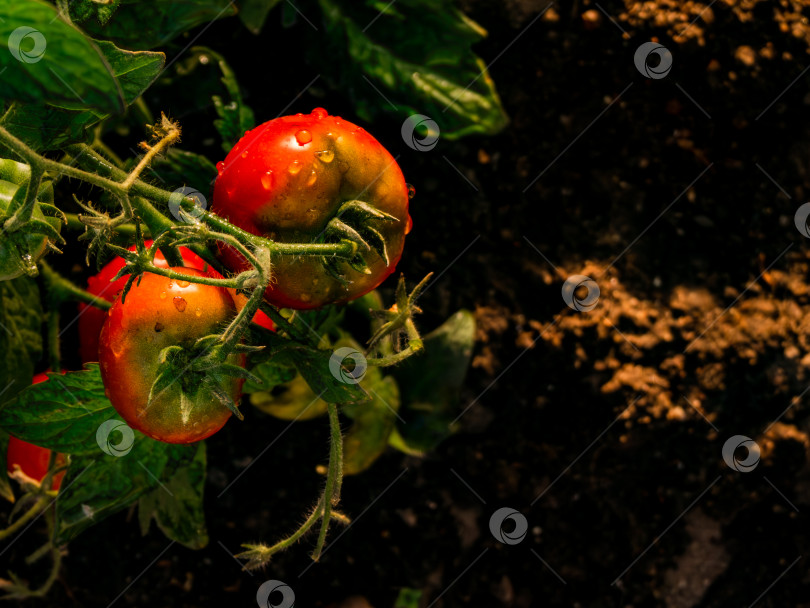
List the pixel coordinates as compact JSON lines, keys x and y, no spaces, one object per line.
{"x":408,"y":598}
{"x":397,"y":441}
{"x":253,"y":13}
{"x":82,"y":10}
{"x":272,"y":374}
{"x":314,"y":366}
{"x":373,"y":422}
{"x":5,"y":487}
{"x":177,"y":504}
{"x":135,"y":71}
{"x":44,"y":127}
{"x":417,"y":53}
{"x":145,"y":25}
{"x":63,"y":414}
{"x":294,"y":400}
{"x":20,"y":335}
{"x":430,"y":383}
{"x":98,"y":485}
{"x":52,"y":61}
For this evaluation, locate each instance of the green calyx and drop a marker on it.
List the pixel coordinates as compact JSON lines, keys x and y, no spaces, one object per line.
{"x":23,"y":243}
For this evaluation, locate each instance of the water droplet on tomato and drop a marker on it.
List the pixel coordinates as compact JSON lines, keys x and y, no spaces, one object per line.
{"x":325,"y":156}
{"x":294,"y":167}
{"x":245,"y":154}
{"x":267,"y":180}
{"x":303,"y":137}
{"x":313,"y":177}
{"x":183,"y":284}
{"x":179,"y":303}
{"x":320,"y":113}
{"x":198,"y":312}
{"x":411,"y":191}
{"x":171,"y":284}
{"x":158,"y":327}
{"x":162,"y":295}
{"x":305,"y":297}
{"x":220,"y":167}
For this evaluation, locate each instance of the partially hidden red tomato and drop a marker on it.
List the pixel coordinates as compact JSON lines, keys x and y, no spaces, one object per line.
{"x":159,"y":313}
{"x":32,"y":459}
{"x":286,"y":179}
{"x":91,"y":318}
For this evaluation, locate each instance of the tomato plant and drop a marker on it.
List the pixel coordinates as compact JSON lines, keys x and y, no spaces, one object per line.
{"x":194,"y":312}
{"x":316,"y":178}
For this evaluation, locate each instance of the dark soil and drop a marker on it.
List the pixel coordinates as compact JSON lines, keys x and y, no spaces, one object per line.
{"x":605,"y":428}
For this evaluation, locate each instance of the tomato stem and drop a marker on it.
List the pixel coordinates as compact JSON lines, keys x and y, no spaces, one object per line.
{"x":334,"y":477}
{"x":259,"y":555}
{"x":61,"y":289}
{"x":30,"y":514}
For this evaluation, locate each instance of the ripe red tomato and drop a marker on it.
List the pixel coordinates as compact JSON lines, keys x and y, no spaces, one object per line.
{"x":286,"y":179}
{"x":91,"y":318}
{"x":158,"y":313}
{"x":32,"y":459}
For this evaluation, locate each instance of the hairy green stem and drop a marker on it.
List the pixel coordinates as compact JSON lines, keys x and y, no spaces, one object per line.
{"x":30,"y":514}
{"x":74,"y":223}
{"x":334,"y":477}
{"x":415,"y":345}
{"x":303,"y":529}
{"x":202,"y":280}
{"x":61,"y":289}
{"x":278,"y":320}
